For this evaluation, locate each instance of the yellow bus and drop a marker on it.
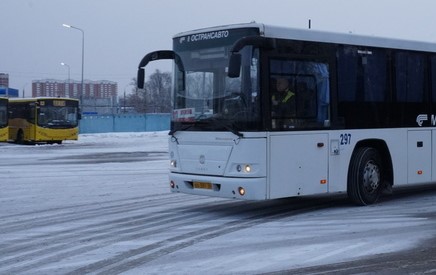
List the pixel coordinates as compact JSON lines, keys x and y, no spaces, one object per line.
{"x":49,"y":120}
{"x":3,"y":119}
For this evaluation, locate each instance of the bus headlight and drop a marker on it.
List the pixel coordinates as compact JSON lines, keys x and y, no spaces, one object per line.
{"x":173,"y":163}
{"x":241,"y":191}
{"x":246,"y":168}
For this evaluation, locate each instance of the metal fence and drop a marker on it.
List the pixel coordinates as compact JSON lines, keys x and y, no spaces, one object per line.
{"x":124,"y":123}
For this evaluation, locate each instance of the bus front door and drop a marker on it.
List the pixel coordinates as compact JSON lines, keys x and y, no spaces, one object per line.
{"x":298,"y":164}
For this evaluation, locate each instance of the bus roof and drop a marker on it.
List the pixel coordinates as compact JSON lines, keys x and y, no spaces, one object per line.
{"x":324,"y":36}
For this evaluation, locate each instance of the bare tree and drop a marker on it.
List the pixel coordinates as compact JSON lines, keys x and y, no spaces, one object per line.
{"x":154,"y":98}
{"x":158,"y":89}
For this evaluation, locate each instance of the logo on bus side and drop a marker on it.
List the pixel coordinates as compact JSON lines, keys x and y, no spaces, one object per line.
{"x":420,"y":119}
{"x":202,"y":159}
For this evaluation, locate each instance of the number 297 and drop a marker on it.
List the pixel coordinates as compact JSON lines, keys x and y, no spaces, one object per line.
{"x":345,"y":139}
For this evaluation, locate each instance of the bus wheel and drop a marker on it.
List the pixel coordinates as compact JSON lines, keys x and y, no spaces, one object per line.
{"x":20,"y":137}
{"x":365,"y":176}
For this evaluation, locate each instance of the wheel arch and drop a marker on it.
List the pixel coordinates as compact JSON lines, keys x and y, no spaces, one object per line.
{"x":381,"y":146}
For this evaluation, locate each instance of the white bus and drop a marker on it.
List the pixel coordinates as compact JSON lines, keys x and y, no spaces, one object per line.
{"x":359,"y":115}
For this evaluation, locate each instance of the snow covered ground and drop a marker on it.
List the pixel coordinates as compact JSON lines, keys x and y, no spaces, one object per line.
{"x":102,"y":205}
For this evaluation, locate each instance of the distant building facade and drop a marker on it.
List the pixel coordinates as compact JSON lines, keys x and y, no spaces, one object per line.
{"x":61,"y":88}
{"x":99,"y":97}
{"x":4,"y":80}
{"x":5,"y":90}
{"x":8,"y":92}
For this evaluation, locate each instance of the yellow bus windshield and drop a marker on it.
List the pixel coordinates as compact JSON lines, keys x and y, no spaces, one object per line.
{"x":57,"y":117}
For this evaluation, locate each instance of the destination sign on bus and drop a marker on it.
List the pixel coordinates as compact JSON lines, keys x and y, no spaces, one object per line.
{"x":59,"y":103}
{"x":186,"y":114}
{"x":56,"y":103}
{"x":208,"y":36}
{"x":213,"y":38}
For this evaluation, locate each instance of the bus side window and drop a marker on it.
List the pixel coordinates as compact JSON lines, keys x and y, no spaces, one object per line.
{"x":323,"y":94}
{"x":29,"y":113}
{"x":306,"y":101}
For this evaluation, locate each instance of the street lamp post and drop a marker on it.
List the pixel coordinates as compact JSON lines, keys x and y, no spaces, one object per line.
{"x":124,"y":99}
{"x":68,"y":83}
{"x":24,"y":89}
{"x":83,"y":56}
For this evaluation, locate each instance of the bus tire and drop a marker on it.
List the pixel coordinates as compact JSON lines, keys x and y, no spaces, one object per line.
{"x":365,"y":173}
{"x":20,"y":137}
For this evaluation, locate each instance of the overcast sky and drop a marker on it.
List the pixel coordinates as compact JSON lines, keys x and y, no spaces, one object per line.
{"x":118,"y":33}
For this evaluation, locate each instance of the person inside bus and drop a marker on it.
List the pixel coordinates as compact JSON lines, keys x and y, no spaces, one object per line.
{"x":283,"y":99}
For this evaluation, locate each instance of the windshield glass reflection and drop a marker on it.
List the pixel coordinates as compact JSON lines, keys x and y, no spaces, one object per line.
{"x":3,"y":116}
{"x":56,"y":117}
{"x":213,"y":101}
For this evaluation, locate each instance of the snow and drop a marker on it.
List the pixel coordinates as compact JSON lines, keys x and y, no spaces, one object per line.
{"x":58,"y":174}
{"x":102,"y":204}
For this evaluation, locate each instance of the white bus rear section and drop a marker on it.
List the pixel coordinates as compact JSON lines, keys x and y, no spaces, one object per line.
{"x":269,"y":165}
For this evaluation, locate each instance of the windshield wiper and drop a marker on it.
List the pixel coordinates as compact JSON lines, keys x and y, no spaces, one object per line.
{"x":181,"y":128}
{"x":227,"y":126}
{"x":208,"y":121}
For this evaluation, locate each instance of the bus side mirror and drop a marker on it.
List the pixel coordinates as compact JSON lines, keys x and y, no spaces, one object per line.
{"x":234,"y":65}
{"x":140,"y":78}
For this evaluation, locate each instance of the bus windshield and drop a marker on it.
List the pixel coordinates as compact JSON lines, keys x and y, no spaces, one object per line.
{"x":57,"y":117}
{"x":210,"y":100}
{"x":3,"y":113}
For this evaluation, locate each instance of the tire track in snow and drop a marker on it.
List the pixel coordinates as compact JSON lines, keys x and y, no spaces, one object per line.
{"x":71,"y":207}
{"x":254,"y":216}
{"x":109,"y":231}
{"x":76,"y":213}
{"x":80,"y":216}
{"x":58,"y":248}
